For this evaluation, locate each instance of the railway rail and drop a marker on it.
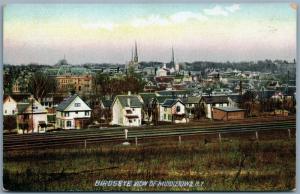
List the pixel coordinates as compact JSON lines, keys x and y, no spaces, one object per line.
{"x":99,"y":136}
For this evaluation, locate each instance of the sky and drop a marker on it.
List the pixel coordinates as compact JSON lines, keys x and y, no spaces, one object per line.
{"x":106,"y":33}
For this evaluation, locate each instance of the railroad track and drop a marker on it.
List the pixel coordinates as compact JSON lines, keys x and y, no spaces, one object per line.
{"x":79,"y":137}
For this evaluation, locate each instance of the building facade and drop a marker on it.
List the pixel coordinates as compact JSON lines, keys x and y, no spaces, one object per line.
{"x":72,"y":113}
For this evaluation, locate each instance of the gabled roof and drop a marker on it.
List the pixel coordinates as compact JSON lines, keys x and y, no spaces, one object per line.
{"x":172,"y":92}
{"x":147,"y":97}
{"x":64,"y":104}
{"x":193,"y":100}
{"x":107,"y":103}
{"x":161,"y":99}
{"x":215,"y":99}
{"x":170,"y":102}
{"x":236,"y":98}
{"x":20,"y":97}
{"x":230,"y":109}
{"x":22,"y":107}
{"x":133,"y":100}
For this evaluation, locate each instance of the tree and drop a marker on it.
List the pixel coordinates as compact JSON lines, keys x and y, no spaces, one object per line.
{"x":248,"y":99}
{"x":40,"y":85}
{"x":9,"y":123}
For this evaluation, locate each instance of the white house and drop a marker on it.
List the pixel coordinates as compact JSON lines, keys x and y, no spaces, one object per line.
{"x":127,"y":110}
{"x":208,"y":102}
{"x":72,"y":113}
{"x":163,"y":71}
{"x":9,"y":106}
{"x":192,"y":103}
{"x":32,"y":117}
{"x":172,"y":110}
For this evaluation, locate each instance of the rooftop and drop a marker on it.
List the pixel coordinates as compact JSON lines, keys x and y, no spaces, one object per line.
{"x":215,"y":99}
{"x":229,"y":109}
{"x":133,"y":100}
{"x":64,"y":104}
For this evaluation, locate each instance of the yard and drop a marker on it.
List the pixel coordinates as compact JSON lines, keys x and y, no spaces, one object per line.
{"x":236,"y":165}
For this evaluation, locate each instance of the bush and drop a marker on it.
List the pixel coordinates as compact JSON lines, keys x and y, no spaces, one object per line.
{"x":10,"y":122}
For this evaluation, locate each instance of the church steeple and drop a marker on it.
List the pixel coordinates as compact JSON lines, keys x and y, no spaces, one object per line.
{"x":136,"y":58}
{"x":173,"y":60}
{"x":132,"y":54}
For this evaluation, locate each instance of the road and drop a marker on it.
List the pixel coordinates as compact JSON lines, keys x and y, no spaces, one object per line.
{"x":100,"y":136}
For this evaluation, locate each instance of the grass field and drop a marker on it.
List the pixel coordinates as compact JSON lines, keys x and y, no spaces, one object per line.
{"x":236,"y":165}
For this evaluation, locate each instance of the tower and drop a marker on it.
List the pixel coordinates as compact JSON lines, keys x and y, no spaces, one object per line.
{"x":136,"y":58}
{"x":173,"y":60}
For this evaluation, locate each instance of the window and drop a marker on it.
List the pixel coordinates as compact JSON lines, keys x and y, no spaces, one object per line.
{"x":5,"y":111}
{"x":13,"y":111}
{"x":165,"y":116}
{"x":178,"y":109}
{"x":77,"y":104}
{"x":86,"y":113}
{"x":66,"y":114}
{"x":69,"y":123}
{"x":169,"y":117}
{"x":130,"y":121}
{"x":76,"y":112}
{"x":79,"y":88}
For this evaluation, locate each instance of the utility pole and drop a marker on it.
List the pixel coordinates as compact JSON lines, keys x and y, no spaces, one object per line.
{"x":32,"y":106}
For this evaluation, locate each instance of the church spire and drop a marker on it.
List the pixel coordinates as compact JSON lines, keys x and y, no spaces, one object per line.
{"x":132,"y":54}
{"x":136,"y":58}
{"x":173,"y":60}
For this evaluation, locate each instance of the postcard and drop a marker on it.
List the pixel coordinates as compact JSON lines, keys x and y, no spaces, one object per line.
{"x":149,"y":97}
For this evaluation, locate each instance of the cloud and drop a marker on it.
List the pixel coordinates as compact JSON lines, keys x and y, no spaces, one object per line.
{"x":233,"y":8}
{"x":103,"y":25}
{"x":216,"y":11}
{"x":151,"y":20}
{"x":181,"y":17}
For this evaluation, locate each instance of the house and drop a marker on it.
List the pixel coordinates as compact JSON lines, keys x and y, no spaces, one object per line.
{"x":172,"y":110}
{"x":72,"y":113}
{"x":148,"y":106}
{"x":127,"y":110}
{"x":163,"y":71}
{"x":10,"y":102}
{"x":31,"y":116}
{"x":50,"y":101}
{"x":235,"y":100}
{"x":105,"y":107}
{"x":192,"y":103}
{"x":9,"y":106}
{"x":207,"y":102}
{"x":228,"y":113}
{"x":273,"y":85}
{"x":174,"y":93}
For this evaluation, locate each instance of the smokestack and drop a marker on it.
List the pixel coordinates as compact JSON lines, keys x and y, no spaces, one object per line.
{"x":128,"y":102}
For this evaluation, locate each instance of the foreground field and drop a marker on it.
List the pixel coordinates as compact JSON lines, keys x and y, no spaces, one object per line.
{"x":235,"y":165}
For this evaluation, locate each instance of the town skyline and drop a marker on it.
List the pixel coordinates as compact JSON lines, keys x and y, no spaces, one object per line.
{"x":89,"y":34}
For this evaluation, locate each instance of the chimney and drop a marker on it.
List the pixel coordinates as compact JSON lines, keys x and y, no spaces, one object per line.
{"x":128,"y":102}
